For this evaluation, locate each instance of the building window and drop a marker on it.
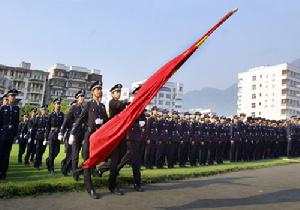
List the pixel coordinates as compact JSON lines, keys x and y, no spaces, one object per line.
{"x":161,"y":95}
{"x":284,"y":72}
{"x":168,"y":96}
{"x":253,"y":78}
{"x":253,"y":105}
{"x":160,"y":102}
{"x":260,"y":85}
{"x":259,"y":94}
{"x":253,"y":96}
{"x":252,"y":114}
{"x":167,"y":103}
{"x":259,"y":103}
{"x":253,"y":87}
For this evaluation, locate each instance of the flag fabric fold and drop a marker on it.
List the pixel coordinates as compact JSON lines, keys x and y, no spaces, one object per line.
{"x":106,"y":139}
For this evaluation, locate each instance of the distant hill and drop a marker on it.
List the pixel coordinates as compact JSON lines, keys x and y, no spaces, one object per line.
{"x":223,"y":102}
{"x":296,"y":62}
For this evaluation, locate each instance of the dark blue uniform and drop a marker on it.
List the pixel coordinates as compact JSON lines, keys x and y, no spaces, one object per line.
{"x":163,"y":137}
{"x":152,"y":135}
{"x":22,"y":140}
{"x":72,"y":151}
{"x":9,"y":121}
{"x":31,"y":149}
{"x":195,"y":141}
{"x":172,"y":144}
{"x":93,"y":116}
{"x":40,"y":126}
{"x":186,"y":131}
{"x":54,"y":123}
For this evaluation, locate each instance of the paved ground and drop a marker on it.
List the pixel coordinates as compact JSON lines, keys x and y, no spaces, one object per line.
{"x":269,"y":188}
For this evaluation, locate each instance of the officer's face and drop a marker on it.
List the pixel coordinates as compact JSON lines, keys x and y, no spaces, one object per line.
{"x":197,"y":117}
{"x":97,"y":92}
{"x":11,"y":99}
{"x":154,"y":112}
{"x":175,"y":116}
{"x":33,"y":114}
{"x":165,"y":115}
{"x":80,"y":99}
{"x":43,"y":112}
{"x":57,"y":106}
{"x":187,"y":117}
{"x":116,"y":94}
{"x":24,"y":118}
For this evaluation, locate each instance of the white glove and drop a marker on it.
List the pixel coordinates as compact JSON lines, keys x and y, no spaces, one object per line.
{"x":34,"y":141}
{"x":29,"y":140}
{"x":142,"y":123}
{"x":17,"y":142}
{"x":71,"y":139}
{"x":44,"y":142}
{"x":60,"y":137}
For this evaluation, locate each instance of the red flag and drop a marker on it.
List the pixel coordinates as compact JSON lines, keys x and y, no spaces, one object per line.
{"x":106,"y":139}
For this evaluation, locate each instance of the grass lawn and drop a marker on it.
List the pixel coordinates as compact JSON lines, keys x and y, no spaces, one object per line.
{"x":24,"y":181}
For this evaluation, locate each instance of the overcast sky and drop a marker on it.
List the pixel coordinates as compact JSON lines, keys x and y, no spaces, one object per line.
{"x":130,"y":39}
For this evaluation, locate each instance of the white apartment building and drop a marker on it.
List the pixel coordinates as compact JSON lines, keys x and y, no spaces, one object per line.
{"x":65,"y":81}
{"x":271,"y":92}
{"x":30,"y":83}
{"x":169,"y":97}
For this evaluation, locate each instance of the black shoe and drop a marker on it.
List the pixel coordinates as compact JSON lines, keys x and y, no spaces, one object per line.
{"x":94,"y":195}
{"x":76,"y":176}
{"x":117,"y":191}
{"x":2,"y":176}
{"x":138,"y":188}
{"x":48,"y":165}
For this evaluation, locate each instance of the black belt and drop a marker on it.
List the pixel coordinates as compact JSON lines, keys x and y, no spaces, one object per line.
{"x":8,"y":126}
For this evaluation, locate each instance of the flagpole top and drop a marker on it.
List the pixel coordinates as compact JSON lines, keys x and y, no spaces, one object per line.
{"x":235,"y":9}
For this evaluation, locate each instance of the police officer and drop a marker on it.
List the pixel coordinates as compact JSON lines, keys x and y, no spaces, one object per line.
{"x":186,"y":129}
{"x":9,"y":121}
{"x":204,"y":141}
{"x":72,"y":155}
{"x":22,"y":137}
{"x":40,"y":126}
{"x":195,"y":140}
{"x":291,"y":131}
{"x":163,"y":133}
{"x":93,"y":116}
{"x":174,"y":138}
{"x":55,"y":121}
{"x":30,"y":152}
{"x":152,"y":138}
{"x":115,"y":107}
{"x":134,"y":138}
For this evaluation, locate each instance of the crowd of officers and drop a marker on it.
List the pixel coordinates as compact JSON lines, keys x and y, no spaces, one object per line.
{"x":157,"y":139}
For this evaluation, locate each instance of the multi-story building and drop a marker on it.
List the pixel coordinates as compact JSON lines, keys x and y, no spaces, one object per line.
{"x":65,"y":80}
{"x":169,"y":97}
{"x":30,"y":83}
{"x":271,"y":92}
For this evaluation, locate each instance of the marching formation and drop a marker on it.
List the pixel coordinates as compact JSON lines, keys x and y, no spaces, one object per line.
{"x":157,"y":139}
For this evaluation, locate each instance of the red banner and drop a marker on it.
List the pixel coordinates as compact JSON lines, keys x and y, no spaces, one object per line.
{"x":107,"y":138}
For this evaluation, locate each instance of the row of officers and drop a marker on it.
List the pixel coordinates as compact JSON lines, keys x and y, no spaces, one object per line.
{"x":153,"y":141}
